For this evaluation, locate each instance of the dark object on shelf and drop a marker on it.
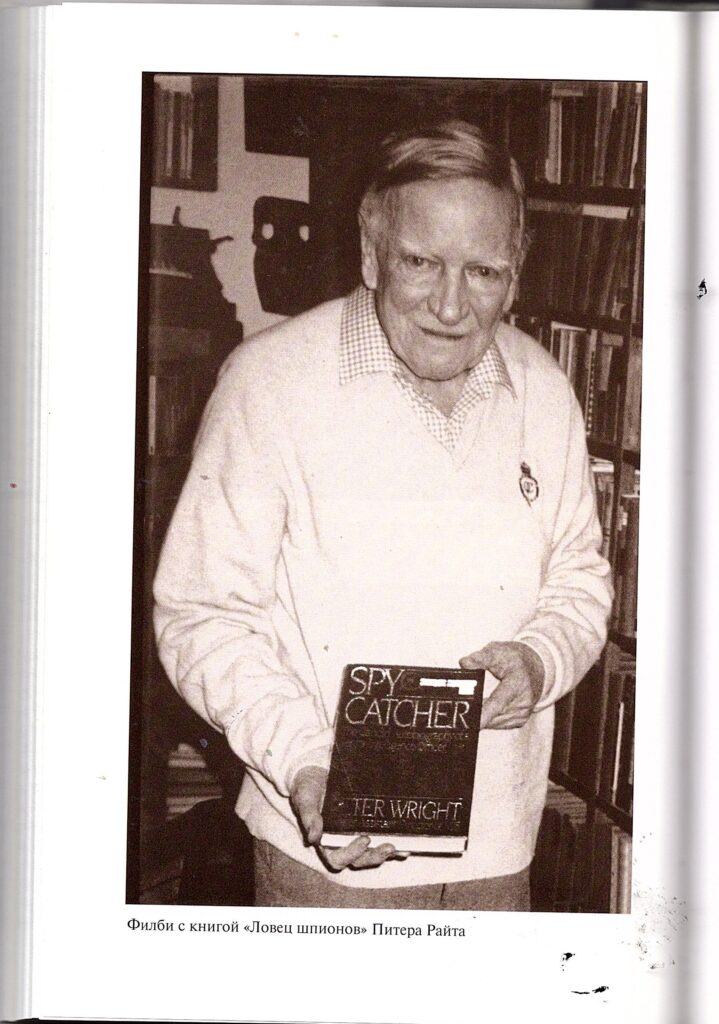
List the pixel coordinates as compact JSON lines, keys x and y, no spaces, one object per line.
{"x":184,"y":289}
{"x":284,"y":271}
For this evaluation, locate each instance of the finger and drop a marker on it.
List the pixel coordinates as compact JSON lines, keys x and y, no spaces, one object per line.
{"x":499,"y":702}
{"x":369,"y":857}
{"x":513,"y":721}
{"x":514,"y":715}
{"x":313,"y":826}
{"x":488,"y":657}
{"x":336,"y":860}
{"x":372,"y":858}
{"x":307,"y":807}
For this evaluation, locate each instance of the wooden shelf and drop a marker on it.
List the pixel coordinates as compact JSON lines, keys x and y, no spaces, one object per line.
{"x":615,"y":814}
{"x":627,"y":643}
{"x":593,"y":801}
{"x":586,"y":321}
{"x":597,"y":195}
{"x":602,"y":449}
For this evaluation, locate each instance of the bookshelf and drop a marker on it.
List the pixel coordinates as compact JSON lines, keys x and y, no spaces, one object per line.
{"x":581,"y":149}
{"x":581,"y":297}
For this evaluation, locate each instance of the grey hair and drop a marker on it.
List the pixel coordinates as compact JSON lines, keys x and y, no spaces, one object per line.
{"x":440,"y":152}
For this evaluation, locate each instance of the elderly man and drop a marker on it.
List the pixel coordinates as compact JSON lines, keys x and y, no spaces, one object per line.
{"x":396,"y":477}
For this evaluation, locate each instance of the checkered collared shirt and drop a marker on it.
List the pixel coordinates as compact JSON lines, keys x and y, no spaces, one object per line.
{"x":364,"y":349}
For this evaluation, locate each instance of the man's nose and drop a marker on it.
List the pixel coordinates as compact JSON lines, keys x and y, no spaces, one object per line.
{"x":448,"y":300}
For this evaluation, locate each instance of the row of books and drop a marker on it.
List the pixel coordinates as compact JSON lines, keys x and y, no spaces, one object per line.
{"x":189,"y":781}
{"x":578,"y":260}
{"x":580,"y":865}
{"x":624,"y":616}
{"x":174,"y":135}
{"x":592,"y":133}
{"x":560,"y":873}
{"x":592,"y":359}
{"x":594,"y":731}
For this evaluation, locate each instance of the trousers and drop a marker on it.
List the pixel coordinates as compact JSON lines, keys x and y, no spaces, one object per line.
{"x":283,"y":882}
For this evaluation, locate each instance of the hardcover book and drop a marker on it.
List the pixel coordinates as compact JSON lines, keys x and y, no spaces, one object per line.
{"x":404,"y":756}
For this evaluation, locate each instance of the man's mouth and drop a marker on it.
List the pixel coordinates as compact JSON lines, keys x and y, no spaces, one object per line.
{"x":445,"y":335}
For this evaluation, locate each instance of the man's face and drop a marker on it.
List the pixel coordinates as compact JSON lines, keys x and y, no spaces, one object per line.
{"x":443,"y":273}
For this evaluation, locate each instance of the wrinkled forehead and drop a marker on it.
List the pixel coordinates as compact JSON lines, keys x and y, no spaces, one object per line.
{"x":458,"y":207}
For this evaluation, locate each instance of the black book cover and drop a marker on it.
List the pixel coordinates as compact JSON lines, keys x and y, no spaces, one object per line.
{"x":404,"y":757}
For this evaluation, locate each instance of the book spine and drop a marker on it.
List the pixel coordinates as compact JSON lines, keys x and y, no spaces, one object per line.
{"x":632,"y":415}
{"x":610,"y":734}
{"x":624,"y":882}
{"x":625,"y":772}
{"x":601,"y":875}
{"x":563,"y":716}
{"x":627,"y":609}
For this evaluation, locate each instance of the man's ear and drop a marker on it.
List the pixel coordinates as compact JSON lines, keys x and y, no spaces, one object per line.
{"x":370,"y":263}
{"x":511,"y":294}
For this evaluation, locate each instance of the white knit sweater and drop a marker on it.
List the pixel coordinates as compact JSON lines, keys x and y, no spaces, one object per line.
{"x":322,"y":524}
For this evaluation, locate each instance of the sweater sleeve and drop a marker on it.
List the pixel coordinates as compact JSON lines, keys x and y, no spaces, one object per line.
{"x":215,"y":589}
{"x":569,"y":627}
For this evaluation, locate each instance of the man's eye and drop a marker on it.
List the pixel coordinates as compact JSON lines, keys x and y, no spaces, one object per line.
{"x":416,"y":262}
{"x":481,"y":270}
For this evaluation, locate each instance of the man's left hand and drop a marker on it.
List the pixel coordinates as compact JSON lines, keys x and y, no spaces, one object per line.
{"x":521,"y":681}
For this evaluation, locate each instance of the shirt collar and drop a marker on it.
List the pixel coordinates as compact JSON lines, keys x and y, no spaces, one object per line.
{"x":364,"y":349}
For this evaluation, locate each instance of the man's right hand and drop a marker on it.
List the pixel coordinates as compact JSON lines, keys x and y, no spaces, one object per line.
{"x":306,"y":796}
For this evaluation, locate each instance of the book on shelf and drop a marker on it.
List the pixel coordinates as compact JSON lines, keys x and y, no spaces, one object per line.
{"x":624,"y":614}
{"x":623,"y":779}
{"x":601,"y":845}
{"x":566,"y":863}
{"x":624,"y":874}
{"x":609,"y":387}
{"x":603,"y":474}
{"x":559,"y":871}
{"x":563,"y":718}
{"x":583,"y":741}
{"x":617,"y":732}
{"x":633,"y":399}
{"x":404,"y":756}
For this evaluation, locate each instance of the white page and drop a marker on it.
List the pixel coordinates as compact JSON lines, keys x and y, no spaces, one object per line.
{"x":87,"y":962}
{"x":703,"y":898}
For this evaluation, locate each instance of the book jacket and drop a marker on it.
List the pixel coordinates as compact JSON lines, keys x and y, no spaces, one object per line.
{"x":404,"y":756}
